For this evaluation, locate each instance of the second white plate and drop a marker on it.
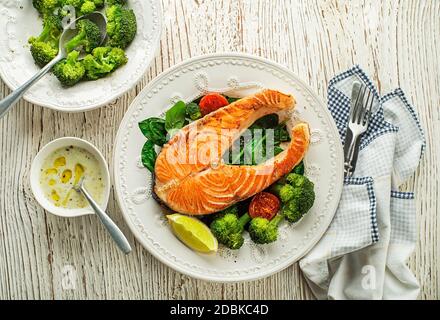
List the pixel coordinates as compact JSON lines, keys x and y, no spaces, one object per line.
{"x":239,"y":75}
{"x":19,"y":20}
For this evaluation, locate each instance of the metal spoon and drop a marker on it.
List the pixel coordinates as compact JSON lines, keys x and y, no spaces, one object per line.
{"x":68,"y":33}
{"x":111,"y":227}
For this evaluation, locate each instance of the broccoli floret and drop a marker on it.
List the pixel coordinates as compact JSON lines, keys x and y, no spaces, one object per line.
{"x":45,"y":47}
{"x":193,"y":111}
{"x":42,"y":52}
{"x":64,"y":9}
{"x":52,"y":27}
{"x":99,"y":3}
{"x":87,"y":7}
{"x":228,"y":229}
{"x":304,"y":191}
{"x":296,"y":180}
{"x":74,"y":3}
{"x":232,"y":210}
{"x":103,"y":61}
{"x":82,"y":7}
{"x":286,"y":192}
{"x":297,"y":194}
{"x":45,"y":6}
{"x":263,"y":230}
{"x":121,"y":26}
{"x":87,"y":38}
{"x":276,"y":187}
{"x":69,"y":71}
{"x":291,"y":211}
{"x":235,"y":241}
{"x":112,"y":2}
{"x":222,"y":226}
{"x":71,"y":6}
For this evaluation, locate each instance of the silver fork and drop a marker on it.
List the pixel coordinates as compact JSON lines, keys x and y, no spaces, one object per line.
{"x":358,"y":123}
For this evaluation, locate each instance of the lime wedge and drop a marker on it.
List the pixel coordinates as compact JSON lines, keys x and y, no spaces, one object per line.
{"x":192,"y":232}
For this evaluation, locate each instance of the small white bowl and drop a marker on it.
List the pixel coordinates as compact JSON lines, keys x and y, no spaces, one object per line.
{"x":38,"y":163}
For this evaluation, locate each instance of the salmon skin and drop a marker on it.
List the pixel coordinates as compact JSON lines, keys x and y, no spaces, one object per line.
{"x":190,"y":175}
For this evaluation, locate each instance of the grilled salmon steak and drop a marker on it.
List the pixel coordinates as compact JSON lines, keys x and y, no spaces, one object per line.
{"x":192,"y":178}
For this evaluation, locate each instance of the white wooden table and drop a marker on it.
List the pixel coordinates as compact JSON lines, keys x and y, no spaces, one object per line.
{"x":397,"y":42}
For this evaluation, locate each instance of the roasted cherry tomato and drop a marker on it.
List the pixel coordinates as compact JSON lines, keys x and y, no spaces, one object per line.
{"x":264,"y":205}
{"x":212,"y":102}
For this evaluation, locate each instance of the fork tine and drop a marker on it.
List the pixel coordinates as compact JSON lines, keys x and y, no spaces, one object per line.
{"x":368,"y":110}
{"x":353,"y":109}
{"x":356,"y":106}
{"x":360,"y":105}
{"x":365,"y":108}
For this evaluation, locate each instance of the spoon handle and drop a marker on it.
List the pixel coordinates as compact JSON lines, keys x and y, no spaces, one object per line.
{"x":111,"y":227}
{"x":15,"y":95}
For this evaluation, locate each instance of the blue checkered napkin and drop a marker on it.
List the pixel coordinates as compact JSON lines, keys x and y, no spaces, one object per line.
{"x":399,"y":282}
{"x":349,"y":232}
{"x":339,"y":96}
{"x":410,"y":143}
{"x":403,"y":218}
{"x":377,"y":143}
{"x":352,"y":190}
{"x":370,"y":217}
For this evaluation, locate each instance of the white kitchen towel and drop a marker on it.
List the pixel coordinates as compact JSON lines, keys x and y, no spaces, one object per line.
{"x":351,"y":261}
{"x":400,"y":283}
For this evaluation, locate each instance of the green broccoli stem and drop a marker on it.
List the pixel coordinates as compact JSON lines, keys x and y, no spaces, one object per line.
{"x":275,"y":188}
{"x":74,"y":42}
{"x":277,"y":219}
{"x":244,"y":219}
{"x":44,"y":34}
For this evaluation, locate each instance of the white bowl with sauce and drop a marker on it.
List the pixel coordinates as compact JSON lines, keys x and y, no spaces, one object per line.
{"x":58,"y":166}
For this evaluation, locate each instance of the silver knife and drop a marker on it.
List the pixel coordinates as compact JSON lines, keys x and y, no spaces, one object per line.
{"x":349,"y":134}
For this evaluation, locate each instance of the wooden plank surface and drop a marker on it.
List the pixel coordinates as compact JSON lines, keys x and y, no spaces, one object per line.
{"x":397,"y":42}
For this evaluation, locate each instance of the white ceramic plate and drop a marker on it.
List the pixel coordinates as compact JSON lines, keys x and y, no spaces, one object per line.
{"x":19,"y":20}
{"x":239,"y":75}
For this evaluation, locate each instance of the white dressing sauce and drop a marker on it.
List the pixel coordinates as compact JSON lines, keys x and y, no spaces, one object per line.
{"x":63,"y":169}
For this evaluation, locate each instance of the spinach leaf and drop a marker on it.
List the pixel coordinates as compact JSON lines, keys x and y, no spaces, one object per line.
{"x":154,"y":130}
{"x":231,"y":99}
{"x":270,"y":149}
{"x":149,"y":155}
{"x":281,"y":134}
{"x":193,"y":111}
{"x":175,"y":117}
{"x":266,"y":122}
{"x":277,"y":150}
{"x":261,"y":147}
{"x":299,"y":169}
